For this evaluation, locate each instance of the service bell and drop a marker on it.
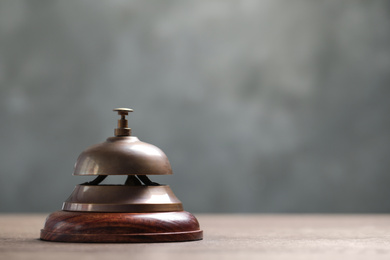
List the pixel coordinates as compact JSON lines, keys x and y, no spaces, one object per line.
{"x":138,"y":211}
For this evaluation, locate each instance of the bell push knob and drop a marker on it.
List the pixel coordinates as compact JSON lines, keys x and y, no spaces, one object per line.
{"x":123,"y":128}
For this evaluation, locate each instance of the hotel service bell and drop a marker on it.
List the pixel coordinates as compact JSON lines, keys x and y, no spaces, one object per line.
{"x":138,"y":211}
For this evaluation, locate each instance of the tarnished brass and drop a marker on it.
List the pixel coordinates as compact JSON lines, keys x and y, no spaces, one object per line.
{"x":122,"y":155}
{"x":122,"y":198}
{"x":125,"y":155}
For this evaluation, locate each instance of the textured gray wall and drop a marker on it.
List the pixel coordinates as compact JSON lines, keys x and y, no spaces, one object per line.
{"x":261,"y":106}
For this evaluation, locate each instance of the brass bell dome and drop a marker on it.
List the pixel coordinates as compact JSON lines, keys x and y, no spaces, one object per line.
{"x":122,"y":155}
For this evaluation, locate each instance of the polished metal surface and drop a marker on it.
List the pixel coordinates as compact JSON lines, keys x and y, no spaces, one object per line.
{"x":125,"y":155}
{"x":123,"y":110}
{"x":122,"y":155}
{"x":122,"y":198}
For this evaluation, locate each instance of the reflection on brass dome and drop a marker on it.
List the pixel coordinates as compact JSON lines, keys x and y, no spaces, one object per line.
{"x":123,"y":155}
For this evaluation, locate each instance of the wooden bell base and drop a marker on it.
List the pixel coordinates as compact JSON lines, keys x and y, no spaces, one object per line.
{"x":98,"y":227}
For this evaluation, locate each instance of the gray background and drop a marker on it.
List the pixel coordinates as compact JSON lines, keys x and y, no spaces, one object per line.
{"x":261,"y":106}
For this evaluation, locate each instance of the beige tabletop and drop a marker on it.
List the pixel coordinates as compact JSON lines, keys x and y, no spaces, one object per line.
{"x":225,"y":237}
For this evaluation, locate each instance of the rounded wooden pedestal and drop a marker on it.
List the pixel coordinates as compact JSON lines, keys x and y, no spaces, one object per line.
{"x":97,"y":227}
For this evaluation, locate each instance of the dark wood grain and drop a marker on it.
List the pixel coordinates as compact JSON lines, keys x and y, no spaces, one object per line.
{"x":66,"y":226}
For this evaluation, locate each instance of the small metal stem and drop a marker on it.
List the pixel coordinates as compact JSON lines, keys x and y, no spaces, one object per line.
{"x":147,"y":181}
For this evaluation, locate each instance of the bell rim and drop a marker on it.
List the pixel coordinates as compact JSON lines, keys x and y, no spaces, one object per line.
{"x":122,"y":198}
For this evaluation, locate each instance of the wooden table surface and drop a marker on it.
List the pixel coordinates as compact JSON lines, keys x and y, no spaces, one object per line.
{"x":225,"y":237}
